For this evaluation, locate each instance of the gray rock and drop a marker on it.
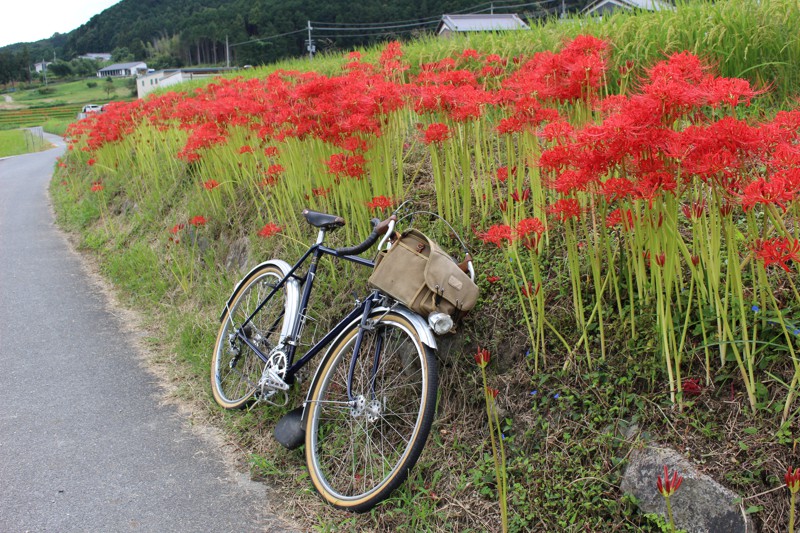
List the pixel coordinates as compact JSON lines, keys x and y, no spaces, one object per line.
{"x":238,"y":254}
{"x":700,"y":504}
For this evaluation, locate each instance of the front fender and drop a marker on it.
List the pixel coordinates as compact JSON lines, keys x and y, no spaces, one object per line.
{"x":421,"y":327}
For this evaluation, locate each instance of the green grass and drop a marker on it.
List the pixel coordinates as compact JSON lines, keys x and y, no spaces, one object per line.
{"x":16,"y":142}
{"x":74,"y":92}
{"x":564,"y":430}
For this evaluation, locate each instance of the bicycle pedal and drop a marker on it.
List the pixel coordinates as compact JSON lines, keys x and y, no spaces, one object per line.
{"x":274,"y":381}
{"x":289,"y":430}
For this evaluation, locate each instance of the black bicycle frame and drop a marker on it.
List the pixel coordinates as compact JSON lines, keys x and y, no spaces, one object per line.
{"x":363,"y":310}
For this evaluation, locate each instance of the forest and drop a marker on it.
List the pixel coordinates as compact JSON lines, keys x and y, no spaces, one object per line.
{"x":176,"y":33}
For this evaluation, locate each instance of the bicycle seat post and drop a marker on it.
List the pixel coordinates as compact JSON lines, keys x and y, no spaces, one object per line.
{"x":321,"y":236}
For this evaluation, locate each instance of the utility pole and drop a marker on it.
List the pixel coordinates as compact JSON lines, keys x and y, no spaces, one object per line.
{"x":44,"y":69}
{"x":227,"y":53}
{"x":310,"y":43}
{"x":563,"y":10}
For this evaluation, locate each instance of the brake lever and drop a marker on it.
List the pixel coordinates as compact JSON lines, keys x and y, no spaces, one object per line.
{"x":387,"y":235}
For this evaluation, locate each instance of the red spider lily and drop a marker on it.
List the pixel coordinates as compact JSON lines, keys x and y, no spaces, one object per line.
{"x":565,"y":209}
{"x":97,"y":186}
{"x":380,"y":202}
{"x":692,"y":386}
{"x":198,"y":220}
{"x":526,"y":194}
{"x":469,"y":53}
{"x":246,"y":149}
{"x":390,"y":56}
{"x":529,"y":231}
{"x":321,"y":191}
{"x":271,"y":151}
{"x":617,"y":188}
{"x":780,"y":251}
{"x":354,"y":144}
{"x":176,"y":228}
{"x":503,"y":173}
{"x":492,"y":392}
{"x":778,"y":191}
{"x":496,"y":234}
{"x":575,"y":72}
{"x":694,"y":211}
{"x":529,"y":291}
{"x":269,"y":230}
{"x":667,"y":486}
{"x":351,"y":165}
{"x":483,"y":357}
{"x":437,"y":133}
{"x":91,"y":161}
{"x":274,"y":170}
{"x":792,"y":479}
{"x":493,"y":279}
{"x":661,"y":259}
{"x":620,"y":217}
{"x":210,"y":184}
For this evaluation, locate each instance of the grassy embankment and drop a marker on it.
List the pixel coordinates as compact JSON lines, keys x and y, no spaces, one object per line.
{"x":571,"y":377}
{"x":16,"y":142}
{"x":57,"y":105}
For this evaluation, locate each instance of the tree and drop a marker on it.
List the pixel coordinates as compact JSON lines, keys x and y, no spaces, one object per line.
{"x":121,"y":55}
{"x":60,"y":68}
{"x":110,"y":88}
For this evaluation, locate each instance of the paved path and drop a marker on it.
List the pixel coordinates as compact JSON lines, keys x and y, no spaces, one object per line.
{"x":86,"y":444}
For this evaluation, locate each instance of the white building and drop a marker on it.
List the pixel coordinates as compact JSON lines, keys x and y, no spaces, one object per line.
{"x":42,"y":66}
{"x":150,"y":81}
{"x":122,"y":70}
{"x":462,"y":23}
{"x":97,"y":56}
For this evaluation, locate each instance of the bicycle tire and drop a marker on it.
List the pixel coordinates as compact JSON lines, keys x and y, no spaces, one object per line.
{"x":356,"y":459}
{"x":233,"y":387}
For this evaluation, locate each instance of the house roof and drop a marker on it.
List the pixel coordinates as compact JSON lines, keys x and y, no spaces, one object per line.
{"x":122,"y":66}
{"x":650,"y":5}
{"x":499,"y":22}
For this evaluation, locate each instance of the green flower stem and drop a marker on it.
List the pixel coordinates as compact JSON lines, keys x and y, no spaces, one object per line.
{"x":498,"y":451}
{"x":669,"y":515}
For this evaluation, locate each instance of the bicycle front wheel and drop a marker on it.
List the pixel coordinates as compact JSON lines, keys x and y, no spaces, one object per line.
{"x":235,"y":367}
{"x":358,"y":451}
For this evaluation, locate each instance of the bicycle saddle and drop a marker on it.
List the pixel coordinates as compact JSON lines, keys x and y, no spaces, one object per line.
{"x":323,"y":220}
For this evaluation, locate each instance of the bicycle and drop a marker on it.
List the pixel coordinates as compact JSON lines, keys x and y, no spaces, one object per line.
{"x":372,"y":400}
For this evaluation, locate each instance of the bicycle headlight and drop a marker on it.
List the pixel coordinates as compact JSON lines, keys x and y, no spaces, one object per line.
{"x":440,"y":323}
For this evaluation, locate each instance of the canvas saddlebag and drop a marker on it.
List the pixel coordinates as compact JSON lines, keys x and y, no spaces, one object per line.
{"x":416,"y":272}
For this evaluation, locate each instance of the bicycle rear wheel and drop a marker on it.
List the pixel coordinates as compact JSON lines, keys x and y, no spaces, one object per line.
{"x":235,"y":368}
{"x":359,"y":452}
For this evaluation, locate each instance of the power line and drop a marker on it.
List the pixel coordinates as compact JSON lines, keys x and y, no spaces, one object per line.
{"x":377,"y":29}
{"x":268,"y":37}
{"x":362,"y":28}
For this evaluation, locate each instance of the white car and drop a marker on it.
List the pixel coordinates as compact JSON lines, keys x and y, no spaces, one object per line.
{"x":89,"y":108}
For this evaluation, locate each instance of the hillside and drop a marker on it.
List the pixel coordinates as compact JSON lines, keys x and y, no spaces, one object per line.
{"x":173,"y":33}
{"x":631,"y":201}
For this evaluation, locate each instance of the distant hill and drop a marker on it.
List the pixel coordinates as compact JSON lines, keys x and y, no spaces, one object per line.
{"x":170,"y":33}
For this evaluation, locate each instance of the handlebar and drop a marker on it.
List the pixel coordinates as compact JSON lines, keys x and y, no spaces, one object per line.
{"x":379,"y":228}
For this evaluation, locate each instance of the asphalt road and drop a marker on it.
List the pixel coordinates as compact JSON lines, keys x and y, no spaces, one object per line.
{"x":86,"y":442}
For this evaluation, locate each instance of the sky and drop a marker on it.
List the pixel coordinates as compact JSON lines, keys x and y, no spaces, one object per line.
{"x":24,"y":21}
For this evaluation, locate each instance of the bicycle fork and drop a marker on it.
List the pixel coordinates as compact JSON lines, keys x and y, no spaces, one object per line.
{"x":370,"y":407}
